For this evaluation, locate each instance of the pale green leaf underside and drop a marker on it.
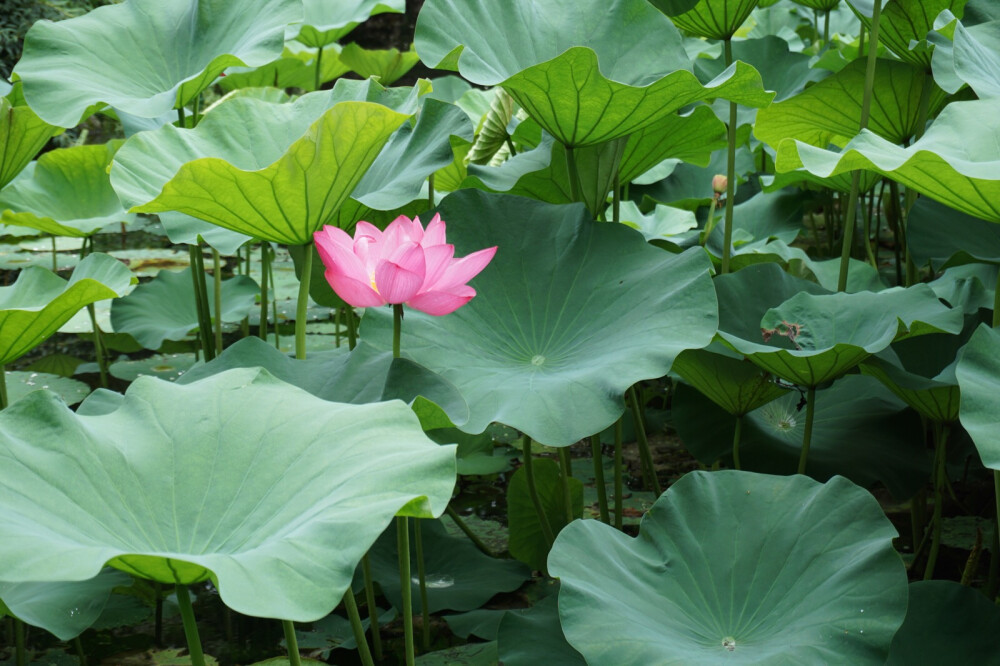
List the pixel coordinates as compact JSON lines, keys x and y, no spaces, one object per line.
{"x":185,"y":44}
{"x":978,"y":374}
{"x":278,"y":525}
{"x":736,"y":567}
{"x":956,"y":161}
{"x":39,"y":302}
{"x":326,"y":21}
{"x":22,"y":135}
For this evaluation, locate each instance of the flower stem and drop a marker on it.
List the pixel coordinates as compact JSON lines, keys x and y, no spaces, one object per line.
{"x":55,"y":256}
{"x":265,"y":260}
{"x":425,"y":614}
{"x":618,"y":472}
{"x":852,"y":199}
{"x":574,"y":174}
{"x":616,"y":199}
{"x":940,"y":479}
{"x":359,"y":633}
{"x":20,"y":658}
{"x":403,"y":546}
{"x":397,"y":328}
{"x":190,"y":627}
{"x":648,"y":470}
{"x":102,"y":360}
{"x":302,"y":307}
{"x":294,"y":658}
{"x":201,"y":300}
{"x":529,"y":474}
{"x":217,"y":296}
{"x":566,"y":467}
{"x":807,"y":432}
{"x":736,"y":441}
{"x":318,"y":80}
{"x":476,"y":541}
{"x":602,"y":489}
{"x":3,"y":387}
{"x":366,"y":568}
{"x":727,"y":242}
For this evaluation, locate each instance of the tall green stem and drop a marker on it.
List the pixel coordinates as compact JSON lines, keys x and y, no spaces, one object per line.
{"x":265,"y":260}
{"x":852,"y":201}
{"x":808,"y":430}
{"x":319,"y":70}
{"x":476,"y":541}
{"x":602,"y":489}
{"x":20,"y":658}
{"x":940,"y":479}
{"x":397,"y":328}
{"x":616,"y":199}
{"x":727,"y":242}
{"x":648,"y":470}
{"x":866,"y":211}
{"x":574,"y":174}
{"x":619,"y":500}
{"x":201,"y":300}
{"x":430,"y":191}
{"x":217,"y":297}
{"x":736,"y":441}
{"x":366,"y":569}
{"x":359,"y":632}
{"x":302,"y":307}
{"x":826,"y":29}
{"x":190,"y":627}
{"x":55,"y":255}
{"x":292,"y":642}
{"x":425,"y":613}
{"x":102,"y":360}
{"x":3,"y":387}
{"x":403,"y":545}
{"x":566,"y":469}
{"x":529,"y":473}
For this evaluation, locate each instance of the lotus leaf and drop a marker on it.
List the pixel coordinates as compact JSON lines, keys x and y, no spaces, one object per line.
{"x":971,"y":59}
{"x":539,"y":348}
{"x":977,"y":372}
{"x":387,"y":65}
{"x":326,"y":21}
{"x":534,"y":637}
{"x":736,"y":565}
{"x":279,"y":529}
{"x":632,"y":73}
{"x":731,"y":382}
{"x":71,"y":65}
{"x":904,"y":25}
{"x":65,"y":193}
{"x":715,"y":19}
{"x":39,"y":302}
{"x":22,"y":135}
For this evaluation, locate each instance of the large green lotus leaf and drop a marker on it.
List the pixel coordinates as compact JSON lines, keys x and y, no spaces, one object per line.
{"x":946,"y":237}
{"x":662,"y":223}
{"x":632,"y":73}
{"x":731,"y":382}
{"x":904,"y":24}
{"x":39,"y":302}
{"x":181,"y":228}
{"x":830,"y":110}
{"x":978,"y":374}
{"x":763,"y":217}
{"x":969,"y":287}
{"x":841,"y":182}
{"x":64,"y":609}
{"x":164,"y":308}
{"x":411,"y":155}
{"x":527,"y":538}
{"x":934,"y":399}
{"x":280,"y":177}
{"x":970,"y":59}
{"x":955,"y":161}
{"x":365,"y":375}
{"x":715,"y":19}
{"x":534,"y":636}
{"x":458,"y":575}
{"x":835,"y":331}
{"x":782,"y":70}
{"x":861,"y":431}
{"x":539,"y":348}
{"x":388,"y":65}
{"x":736,"y":567}
{"x":65,"y":193}
{"x":294,"y":69}
{"x":326,"y":21}
{"x":946,"y":623}
{"x":22,"y":135}
{"x":278,"y":524}
{"x":822,"y":5}
{"x":70,"y":65}
{"x":691,"y":137}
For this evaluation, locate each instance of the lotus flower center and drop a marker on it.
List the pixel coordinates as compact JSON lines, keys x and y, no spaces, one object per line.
{"x":537,"y":359}
{"x":729,"y":643}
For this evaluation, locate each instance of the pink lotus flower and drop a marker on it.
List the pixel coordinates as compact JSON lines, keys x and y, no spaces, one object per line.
{"x":403,"y":264}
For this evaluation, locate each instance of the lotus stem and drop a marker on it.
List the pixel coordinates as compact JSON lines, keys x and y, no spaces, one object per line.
{"x":55,"y":256}
{"x":352,"y":328}
{"x":736,"y":441}
{"x":265,"y":261}
{"x":648,"y":470}
{"x":217,"y":294}
{"x":80,"y":654}
{"x":302,"y":306}
{"x":529,"y":474}
{"x":826,"y":29}
{"x":102,"y":361}
{"x":602,"y":489}
{"x":319,"y":70}
{"x":196,"y":110}
{"x":807,"y":432}
{"x":727,"y":242}
{"x":430,"y":191}
{"x":403,"y":546}
{"x":3,"y":387}
{"x":996,"y":302}
{"x":573,"y":173}
{"x":366,"y":569}
{"x":397,"y":328}
{"x":566,"y":467}
{"x":510,"y":146}
{"x":866,"y":211}
{"x":866,"y":101}
{"x":940,"y":477}
{"x":190,"y":626}
{"x":338,"y":317}
{"x":616,"y":199}
{"x":201,"y":300}
{"x":294,"y":658}
{"x":618,"y":473}
{"x":180,"y":116}
{"x":994,"y":579}
{"x":19,"y":654}
{"x":425,"y":614}
{"x":274,"y":305}
{"x":359,"y":632}
{"x":476,"y":541}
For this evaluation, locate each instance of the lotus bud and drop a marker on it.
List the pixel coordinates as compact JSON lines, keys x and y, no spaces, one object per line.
{"x":719,"y":183}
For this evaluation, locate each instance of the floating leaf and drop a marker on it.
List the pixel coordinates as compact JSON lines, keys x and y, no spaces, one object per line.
{"x":167,"y":367}
{"x":735,"y":565}
{"x":39,"y":302}
{"x":70,"y":65}
{"x":274,"y":541}
{"x":20,"y":384}
{"x":539,"y":348}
